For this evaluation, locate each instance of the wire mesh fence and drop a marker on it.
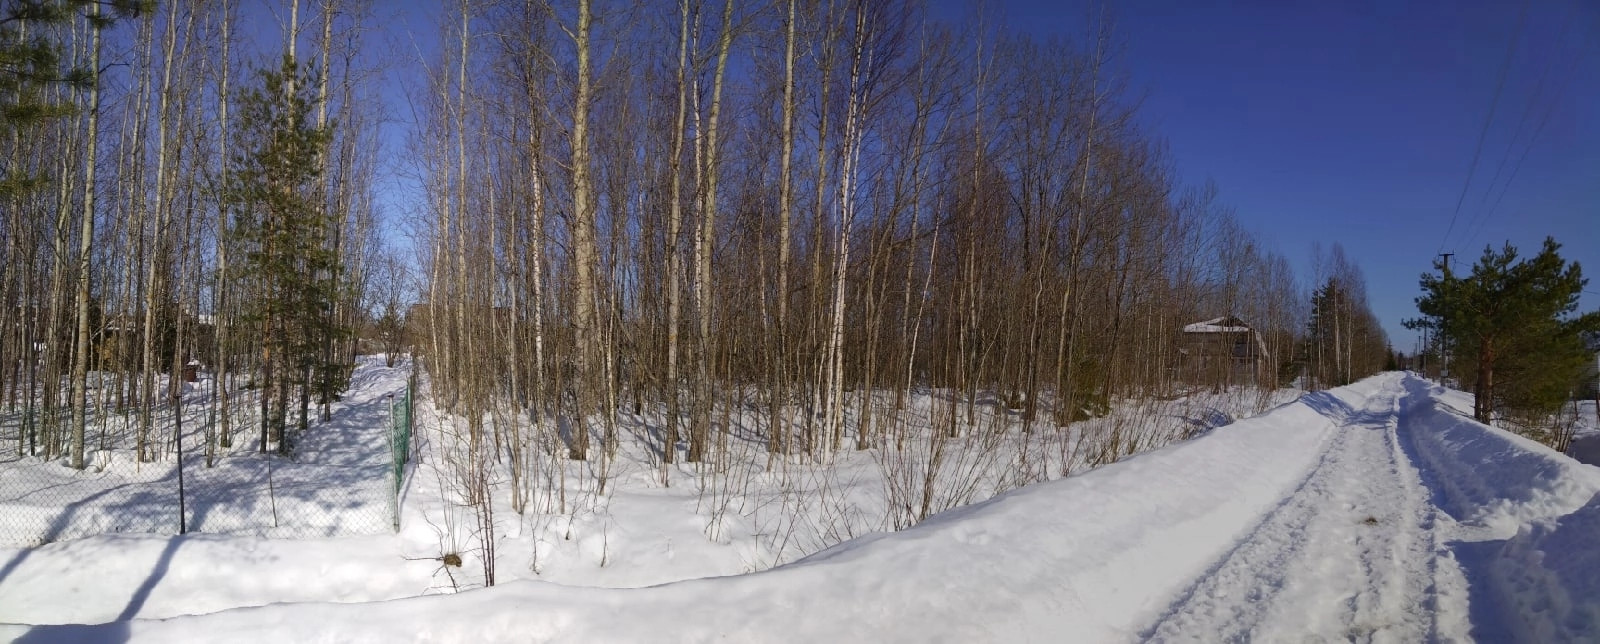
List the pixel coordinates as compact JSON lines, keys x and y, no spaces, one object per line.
{"x":400,"y":434}
{"x":342,"y":478}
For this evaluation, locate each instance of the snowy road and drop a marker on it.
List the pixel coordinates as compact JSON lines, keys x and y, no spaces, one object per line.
{"x":1361,"y":549}
{"x":1374,"y":512}
{"x":1352,"y":552}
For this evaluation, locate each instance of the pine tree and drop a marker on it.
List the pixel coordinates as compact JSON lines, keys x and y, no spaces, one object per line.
{"x":31,"y":61}
{"x":1513,"y":327}
{"x":280,"y":221}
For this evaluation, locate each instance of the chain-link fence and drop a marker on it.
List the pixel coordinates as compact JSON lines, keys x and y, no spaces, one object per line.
{"x":343,"y":477}
{"x":400,"y":426}
{"x":400,"y":435}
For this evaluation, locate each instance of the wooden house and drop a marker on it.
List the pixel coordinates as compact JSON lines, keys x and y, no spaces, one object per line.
{"x":1223,"y":351}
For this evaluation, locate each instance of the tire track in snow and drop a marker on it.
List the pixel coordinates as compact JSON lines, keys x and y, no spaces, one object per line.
{"x":1442,"y":587}
{"x":1347,"y":555}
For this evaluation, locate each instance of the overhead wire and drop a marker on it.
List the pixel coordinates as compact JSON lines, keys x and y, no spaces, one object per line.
{"x":1494,"y":104}
{"x":1477,"y":224}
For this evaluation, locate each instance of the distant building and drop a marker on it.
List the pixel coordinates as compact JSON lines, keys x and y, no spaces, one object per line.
{"x":120,"y":338}
{"x":1223,"y":351}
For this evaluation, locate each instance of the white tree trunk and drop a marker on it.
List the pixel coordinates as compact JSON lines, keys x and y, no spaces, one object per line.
{"x":80,"y":357}
{"x":584,"y":248}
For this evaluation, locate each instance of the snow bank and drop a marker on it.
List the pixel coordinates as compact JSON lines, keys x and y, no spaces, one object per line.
{"x":1550,"y":574}
{"x":1096,"y":557}
{"x":1089,"y":558}
{"x":1491,"y":477}
{"x":1545,"y":578}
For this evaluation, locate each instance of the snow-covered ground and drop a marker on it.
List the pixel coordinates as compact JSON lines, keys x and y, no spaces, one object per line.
{"x":1586,"y":436}
{"x":340,"y":481}
{"x":1374,"y":512}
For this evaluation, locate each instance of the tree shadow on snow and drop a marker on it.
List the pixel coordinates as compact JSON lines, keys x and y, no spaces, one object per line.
{"x":1339,"y":411}
{"x":115,"y":632}
{"x":1328,"y":405}
{"x":159,"y":572}
{"x":1484,"y":607}
{"x":136,"y":513}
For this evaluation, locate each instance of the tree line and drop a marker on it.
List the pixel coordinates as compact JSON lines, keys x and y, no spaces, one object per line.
{"x":777,"y":221}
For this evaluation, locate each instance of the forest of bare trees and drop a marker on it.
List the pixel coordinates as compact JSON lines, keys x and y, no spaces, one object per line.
{"x":780,"y":219}
{"x":692,"y":224}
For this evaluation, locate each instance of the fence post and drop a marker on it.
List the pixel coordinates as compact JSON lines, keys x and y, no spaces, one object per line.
{"x":177,"y":407}
{"x":393,"y":474}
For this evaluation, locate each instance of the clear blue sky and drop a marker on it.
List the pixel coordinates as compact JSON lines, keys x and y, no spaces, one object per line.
{"x":1357,"y":122}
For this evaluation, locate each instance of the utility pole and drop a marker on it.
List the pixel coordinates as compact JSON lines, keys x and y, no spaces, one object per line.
{"x":1444,"y":355}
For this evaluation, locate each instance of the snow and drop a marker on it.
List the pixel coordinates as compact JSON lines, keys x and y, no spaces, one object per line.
{"x":1550,"y":575}
{"x":1376,"y":511}
{"x":338,"y":484}
{"x":1586,"y":439}
{"x":1340,"y":554}
{"x":1489,"y":477}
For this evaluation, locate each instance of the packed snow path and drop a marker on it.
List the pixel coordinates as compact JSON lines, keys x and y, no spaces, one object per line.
{"x":1414,"y":524}
{"x":1352,"y":551}
{"x":1373,"y":512}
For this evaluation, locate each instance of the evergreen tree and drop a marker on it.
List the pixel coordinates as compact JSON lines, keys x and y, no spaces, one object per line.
{"x":1511,"y":327}
{"x":31,"y":61}
{"x":279,"y":221}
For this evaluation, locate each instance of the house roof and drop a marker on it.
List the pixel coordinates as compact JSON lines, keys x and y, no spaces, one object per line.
{"x":1224,"y":324}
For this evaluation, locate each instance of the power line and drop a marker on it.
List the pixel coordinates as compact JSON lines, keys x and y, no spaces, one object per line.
{"x":1477,"y":224}
{"x":1505,"y":70}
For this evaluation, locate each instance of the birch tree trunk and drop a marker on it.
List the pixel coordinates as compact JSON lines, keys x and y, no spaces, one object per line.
{"x":584,"y":248}
{"x":779,"y":436}
{"x":853,"y":135}
{"x":222,"y":312}
{"x":154,"y":282}
{"x":674,"y":255}
{"x":80,"y":357}
{"x":699,"y":431}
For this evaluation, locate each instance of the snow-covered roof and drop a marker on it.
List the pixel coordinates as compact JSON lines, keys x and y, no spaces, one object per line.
{"x":1223,"y":324}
